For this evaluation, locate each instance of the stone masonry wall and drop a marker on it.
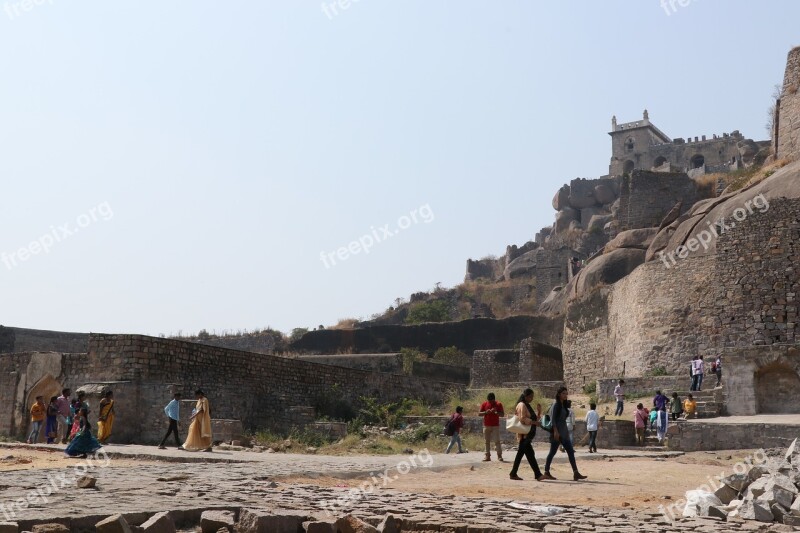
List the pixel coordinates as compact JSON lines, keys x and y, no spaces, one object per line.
{"x":646,"y":197}
{"x":388,"y":362}
{"x":539,"y":362}
{"x":37,"y":340}
{"x":642,"y":387}
{"x":789,"y":113}
{"x":259,"y":389}
{"x":492,"y":368}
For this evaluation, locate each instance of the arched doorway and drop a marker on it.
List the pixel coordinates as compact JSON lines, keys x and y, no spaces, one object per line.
{"x":698,"y":161}
{"x":660,"y":160}
{"x":46,"y":387}
{"x":628,"y":168}
{"x":777,"y":389}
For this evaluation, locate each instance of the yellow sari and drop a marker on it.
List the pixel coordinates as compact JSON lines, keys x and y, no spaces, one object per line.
{"x":105,"y":421}
{"x":199,"y":437}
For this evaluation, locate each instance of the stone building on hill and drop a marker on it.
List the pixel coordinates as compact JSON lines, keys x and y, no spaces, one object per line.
{"x":640,"y":145}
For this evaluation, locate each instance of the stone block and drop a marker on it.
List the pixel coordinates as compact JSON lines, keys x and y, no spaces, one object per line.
{"x":715,"y":511}
{"x":726,"y":494}
{"x":390,"y":524}
{"x":795,"y":507}
{"x":755,"y":510}
{"x":757,"y":472}
{"x":319,"y":527}
{"x":86,"y":482}
{"x":778,"y":511}
{"x":352,"y":524}
{"x":159,"y":523}
{"x":213,"y":521}
{"x":266,"y":521}
{"x":9,"y":527}
{"x":737,"y":482}
{"x":113,"y":524}
{"x":50,"y":528}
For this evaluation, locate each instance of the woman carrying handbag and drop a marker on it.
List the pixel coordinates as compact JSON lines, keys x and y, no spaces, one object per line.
{"x":525,"y":414}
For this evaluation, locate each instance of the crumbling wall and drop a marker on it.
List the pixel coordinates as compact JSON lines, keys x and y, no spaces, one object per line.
{"x":646,"y":197}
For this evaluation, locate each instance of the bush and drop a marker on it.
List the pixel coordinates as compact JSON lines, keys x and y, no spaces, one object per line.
{"x":297,"y":333}
{"x":386,"y":414}
{"x":659,"y":371}
{"x":590,"y":388}
{"x":435,"y":311}
{"x":410,"y":355}
{"x":451,"y":356}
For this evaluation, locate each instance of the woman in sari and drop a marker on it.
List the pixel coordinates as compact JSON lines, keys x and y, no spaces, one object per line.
{"x":199,"y":437}
{"x":105,"y":419}
{"x":83,"y":443}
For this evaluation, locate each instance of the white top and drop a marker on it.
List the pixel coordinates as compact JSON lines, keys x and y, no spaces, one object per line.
{"x":698,"y":366}
{"x":592,"y":420}
{"x":571,"y":420}
{"x":618,"y":394}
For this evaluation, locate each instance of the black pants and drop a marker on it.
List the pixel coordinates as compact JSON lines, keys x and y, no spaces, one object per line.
{"x":593,"y":440}
{"x":526,"y":448}
{"x":173,"y":426}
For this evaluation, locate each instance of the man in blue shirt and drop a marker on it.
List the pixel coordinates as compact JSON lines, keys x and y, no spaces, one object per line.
{"x":173,"y":412}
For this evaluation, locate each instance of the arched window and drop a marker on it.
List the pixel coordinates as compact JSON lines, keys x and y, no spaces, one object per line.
{"x":628,"y":168}
{"x":698,"y":161}
{"x":629,"y":144}
{"x":660,"y":160}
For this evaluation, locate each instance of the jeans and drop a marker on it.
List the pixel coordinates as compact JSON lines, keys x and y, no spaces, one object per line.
{"x":173,"y":427}
{"x":593,"y":440}
{"x":526,"y":448}
{"x":34,"y":435}
{"x":567,"y":444}
{"x":719,"y":377}
{"x":699,"y":378}
{"x":620,"y":405}
{"x":491,"y":434}
{"x":456,"y":438}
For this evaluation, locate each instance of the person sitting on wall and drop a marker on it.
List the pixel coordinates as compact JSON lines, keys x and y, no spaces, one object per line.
{"x":689,"y":408}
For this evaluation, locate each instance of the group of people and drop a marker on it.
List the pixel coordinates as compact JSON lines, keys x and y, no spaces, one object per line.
{"x":658,"y":418}
{"x":697,"y":370}
{"x":561,"y":418}
{"x":66,"y":420}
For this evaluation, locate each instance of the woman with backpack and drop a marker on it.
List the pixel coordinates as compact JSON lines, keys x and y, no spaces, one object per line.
{"x":453,"y":429}
{"x":560,"y":435}
{"x":527,"y":416}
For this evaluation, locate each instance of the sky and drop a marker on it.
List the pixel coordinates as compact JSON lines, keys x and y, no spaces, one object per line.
{"x":167,"y":167}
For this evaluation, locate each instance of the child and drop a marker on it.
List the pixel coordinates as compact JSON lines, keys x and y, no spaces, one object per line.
{"x":640,"y":417}
{"x":51,"y":430}
{"x":454,"y":425}
{"x":653,"y":414}
{"x":592,"y":423}
{"x":661,"y":423}
{"x":83,"y":443}
{"x":38,"y":411}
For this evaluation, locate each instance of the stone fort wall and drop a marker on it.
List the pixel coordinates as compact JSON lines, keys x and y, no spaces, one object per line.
{"x":259,"y":390}
{"x":740,"y":297}
{"x":646,"y":197}
{"x":30,"y":340}
{"x":788,"y":138}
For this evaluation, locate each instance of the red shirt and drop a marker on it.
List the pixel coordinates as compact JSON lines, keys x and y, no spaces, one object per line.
{"x":492,"y":419}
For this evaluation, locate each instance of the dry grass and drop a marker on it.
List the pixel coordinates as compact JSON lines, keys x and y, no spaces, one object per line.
{"x":753,"y":176}
{"x":345,"y":323}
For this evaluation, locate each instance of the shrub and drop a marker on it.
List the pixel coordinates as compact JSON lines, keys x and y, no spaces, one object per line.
{"x":659,"y":371}
{"x":435,"y":311}
{"x":410,"y":355}
{"x":590,"y":388}
{"x":451,"y":356}
{"x":297,"y":333}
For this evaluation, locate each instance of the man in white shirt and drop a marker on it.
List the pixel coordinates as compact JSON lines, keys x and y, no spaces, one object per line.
{"x":698,"y":373}
{"x":619,"y":394}
{"x":592,"y":423}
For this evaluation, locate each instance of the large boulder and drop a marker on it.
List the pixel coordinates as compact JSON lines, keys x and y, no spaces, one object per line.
{"x":597,"y":223}
{"x":564,"y":218}
{"x":561,"y":199}
{"x":581,"y":194}
{"x":604,"y":194}
{"x":522,"y":266}
{"x":635,"y":238}
{"x":608,"y":268}
{"x":589,"y":212}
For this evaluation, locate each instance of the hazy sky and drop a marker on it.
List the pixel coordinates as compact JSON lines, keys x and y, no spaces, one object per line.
{"x":214,"y":156}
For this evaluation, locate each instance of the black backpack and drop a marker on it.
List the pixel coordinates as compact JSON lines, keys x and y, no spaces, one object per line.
{"x":450,"y":426}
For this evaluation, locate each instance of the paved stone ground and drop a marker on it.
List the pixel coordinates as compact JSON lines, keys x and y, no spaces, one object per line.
{"x":190,"y":487}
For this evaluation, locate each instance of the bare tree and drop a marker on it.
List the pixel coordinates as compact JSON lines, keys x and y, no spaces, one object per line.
{"x":770,"y":125}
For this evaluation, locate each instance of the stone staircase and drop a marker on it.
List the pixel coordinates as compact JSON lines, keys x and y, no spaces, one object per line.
{"x":710,"y":402}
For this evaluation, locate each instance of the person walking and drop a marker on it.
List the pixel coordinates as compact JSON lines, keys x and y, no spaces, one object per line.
{"x":51,"y":429}
{"x":105,"y":418}
{"x":560,"y":435}
{"x":619,"y":394}
{"x":675,"y":406}
{"x":527,"y":416}
{"x":570,"y":421}
{"x":640,"y":417}
{"x":38,"y":412}
{"x":717,"y":368}
{"x":83,"y":443}
{"x":660,"y":400}
{"x":199,"y":437}
{"x":64,"y":413}
{"x":453,"y":429}
{"x":592,"y":424}
{"x":692,"y":366}
{"x":491,"y":410}
{"x":173,"y":412}
{"x":661,"y":424}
